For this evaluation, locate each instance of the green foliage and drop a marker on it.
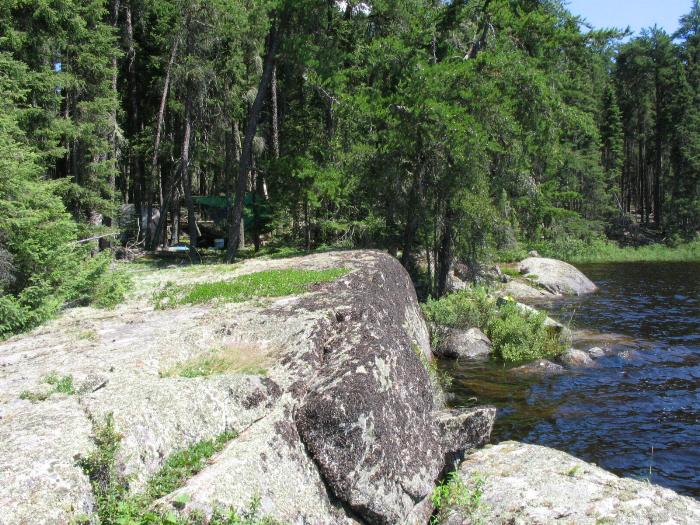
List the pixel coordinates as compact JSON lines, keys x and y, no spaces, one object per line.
{"x":464,"y":309}
{"x":454,"y":496}
{"x":516,"y":335}
{"x":59,"y":384}
{"x":519,"y":336}
{"x":116,"y":506}
{"x":269,"y":283}
{"x":603,"y":251}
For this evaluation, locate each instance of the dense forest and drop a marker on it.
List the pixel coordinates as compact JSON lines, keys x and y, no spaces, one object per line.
{"x":439,"y":131}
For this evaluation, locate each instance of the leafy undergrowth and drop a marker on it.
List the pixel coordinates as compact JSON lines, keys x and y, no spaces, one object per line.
{"x":269,"y":283}
{"x":115,"y":506}
{"x":231,"y":359}
{"x":454,"y":496}
{"x":59,"y":384}
{"x":517,"y":335}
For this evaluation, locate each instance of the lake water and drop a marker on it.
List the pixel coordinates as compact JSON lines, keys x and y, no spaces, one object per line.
{"x":637,"y":413}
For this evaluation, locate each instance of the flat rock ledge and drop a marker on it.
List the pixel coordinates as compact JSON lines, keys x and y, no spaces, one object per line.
{"x":346,"y":426}
{"x":529,"y":484}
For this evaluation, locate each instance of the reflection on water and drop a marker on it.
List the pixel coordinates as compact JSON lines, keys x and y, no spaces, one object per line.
{"x":638,"y":411}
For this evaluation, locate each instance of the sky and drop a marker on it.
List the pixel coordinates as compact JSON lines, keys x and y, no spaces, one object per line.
{"x":638,"y":14}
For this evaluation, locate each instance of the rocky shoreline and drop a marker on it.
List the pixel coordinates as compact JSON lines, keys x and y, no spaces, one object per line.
{"x":344,"y":423}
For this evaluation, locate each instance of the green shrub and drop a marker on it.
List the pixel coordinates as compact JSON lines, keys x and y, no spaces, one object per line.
{"x":464,"y":309}
{"x":519,"y":336}
{"x":456,"y":496}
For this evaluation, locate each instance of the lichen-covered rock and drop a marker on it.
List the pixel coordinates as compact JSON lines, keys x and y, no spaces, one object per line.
{"x":40,"y":481}
{"x":527,"y":484}
{"x":367,"y":417}
{"x":521,"y":291}
{"x":158,"y":416}
{"x":345,"y":364}
{"x":455,"y":343}
{"x":557,"y":276}
{"x":462,"y":430}
{"x":268,"y":460}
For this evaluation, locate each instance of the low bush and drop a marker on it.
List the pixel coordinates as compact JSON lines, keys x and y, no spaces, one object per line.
{"x":454,"y":496}
{"x":517,"y":335}
{"x":464,"y":309}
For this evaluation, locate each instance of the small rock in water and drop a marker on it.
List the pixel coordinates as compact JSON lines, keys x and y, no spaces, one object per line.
{"x":470,"y":344}
{"x":575,"y":358}
{"x":539,"y":367}
{"x":596,"y":352}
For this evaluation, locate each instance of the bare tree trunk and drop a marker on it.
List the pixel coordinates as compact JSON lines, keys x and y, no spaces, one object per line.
{"x":187,"y":177}
{"x":274,"y":116}
{"x":156,"y":142}
{"x":233,"y":154}
{"x":251,"y":127}
{"x":135,"y":165}
{"x":446,"y":254}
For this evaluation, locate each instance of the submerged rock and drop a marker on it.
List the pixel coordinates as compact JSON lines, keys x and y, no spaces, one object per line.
{"x":455,"y":343}
{"x":596,"y":352}
{"x":557,"y":276}
{"x":526,"y":484}
{"x":541,"y":367}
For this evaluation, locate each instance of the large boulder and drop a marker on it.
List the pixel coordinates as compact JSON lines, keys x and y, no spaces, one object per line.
{"x":522,"y":291}
{"x":455,"y":343}
{"x":367,"y":417}
{"x":557,"y":276}
{"x":341,"y":424}
{"x":525,"y":484}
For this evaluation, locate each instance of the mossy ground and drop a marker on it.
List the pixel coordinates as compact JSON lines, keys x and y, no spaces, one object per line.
{"x":242,"y":359}
{"x":268,"y":283}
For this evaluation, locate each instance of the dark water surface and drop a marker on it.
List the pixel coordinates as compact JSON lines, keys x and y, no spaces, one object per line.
{"x":637,"y":413}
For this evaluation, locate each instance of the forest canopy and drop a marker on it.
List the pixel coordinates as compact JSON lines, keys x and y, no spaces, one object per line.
{"x":438,"y":130}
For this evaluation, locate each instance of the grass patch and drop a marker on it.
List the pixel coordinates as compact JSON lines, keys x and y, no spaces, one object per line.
{"x":59,"y":384}
{"x":604,"y":251}
{"x":511,"y":272}
{"x":115,"y":506}
{"x":517,"y":335}
{"x":454,"y":496}
{"x":231,"y":359}
{"x":269,"y":283}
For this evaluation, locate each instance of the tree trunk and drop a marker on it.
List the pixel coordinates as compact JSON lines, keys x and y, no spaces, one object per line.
{"x":251,"y":127}
{"x":233,"y":153}
{"x":274,"y":116}
{"x":446,"y":254}
{"x":187,"y":177}
{"x":156,"y":142}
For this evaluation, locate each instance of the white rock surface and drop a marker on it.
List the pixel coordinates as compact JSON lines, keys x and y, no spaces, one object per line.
{"x":529,"y":484}
{"x":557,"y":276}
